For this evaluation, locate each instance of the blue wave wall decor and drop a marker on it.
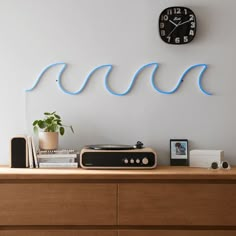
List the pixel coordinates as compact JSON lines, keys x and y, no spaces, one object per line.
{"x":109,"y":67}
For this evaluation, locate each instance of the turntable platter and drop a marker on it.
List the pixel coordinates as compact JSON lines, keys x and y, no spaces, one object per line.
{"x":111,"y":147}
{"x":138,"y":145}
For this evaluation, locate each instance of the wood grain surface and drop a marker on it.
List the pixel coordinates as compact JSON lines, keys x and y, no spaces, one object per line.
{"x":58,"y":204}
{"x":177,"y":204}
{"x":58,"y":233}
{"x":160,"y":173}
{"x":177,"y":233}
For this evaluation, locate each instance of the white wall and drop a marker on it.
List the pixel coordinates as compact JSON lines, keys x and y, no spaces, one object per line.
{"x":88,"y":33}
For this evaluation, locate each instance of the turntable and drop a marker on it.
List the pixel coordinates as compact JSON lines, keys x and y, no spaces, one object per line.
{"x":107,"y":156}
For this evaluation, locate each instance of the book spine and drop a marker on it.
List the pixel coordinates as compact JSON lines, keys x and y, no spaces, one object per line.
{"x":72,"y":155}
{"x":58,"y":165}
{"x":62,"y":151}
{"x":57,"y":160}
{"x":30,"y":154}
{"x":34,"y":153}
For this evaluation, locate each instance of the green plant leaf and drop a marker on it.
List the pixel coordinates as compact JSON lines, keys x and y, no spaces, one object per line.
{"x":54,"y":127}
{"x":57,"y":116}
{"x":47,"y":113}
{"x":62,"y":130}
{"x":35,"y":122}
{"x":41,"y":124}
{"x":48,"y":121}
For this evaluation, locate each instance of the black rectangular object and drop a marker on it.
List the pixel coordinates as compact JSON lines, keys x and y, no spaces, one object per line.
{"x":19,"y":152}
{"x":179,"y":154}
{"x":114,"y":159}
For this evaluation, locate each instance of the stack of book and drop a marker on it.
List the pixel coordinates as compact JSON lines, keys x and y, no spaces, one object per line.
{"x":64,"y":158}
{"x":57,"y":159}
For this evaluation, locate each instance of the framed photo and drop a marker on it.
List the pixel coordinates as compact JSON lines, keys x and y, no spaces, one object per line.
{"x":179,"y":152}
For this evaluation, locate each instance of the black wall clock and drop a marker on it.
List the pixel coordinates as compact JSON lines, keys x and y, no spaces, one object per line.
{"x":177,"y":25}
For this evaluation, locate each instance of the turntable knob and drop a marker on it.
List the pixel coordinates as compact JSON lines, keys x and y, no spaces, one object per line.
{"x":131,"y":161}
{"x":126,"y":161}
{"x":145,"y":161}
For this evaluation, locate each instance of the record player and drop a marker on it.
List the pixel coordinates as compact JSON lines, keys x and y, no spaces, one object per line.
{"x":107,"y":156}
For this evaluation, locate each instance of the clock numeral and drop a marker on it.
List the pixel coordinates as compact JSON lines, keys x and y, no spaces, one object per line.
{"x":193,"y":25}
{"x":168,"y":38}
{"x":191,"y":32}
{"x":177,"y":11}
{"x":185,"y":39}
{"x":169,"y":12}
{"x":162,"y":25}
{"x":185,"y":11}
{"x":177,"y":40}
{"x":163,"y":32}
{"x":191,"y":17}
{"x":165,"y":18}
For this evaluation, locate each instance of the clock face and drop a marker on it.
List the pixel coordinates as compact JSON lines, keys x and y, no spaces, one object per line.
{"x":177,"y":25}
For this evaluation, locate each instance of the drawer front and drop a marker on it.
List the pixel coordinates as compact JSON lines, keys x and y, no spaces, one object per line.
{"x":177,"y":204}
{"x":177,"y":233}
{"x":57,"y":204}
{"x":58,"y":233}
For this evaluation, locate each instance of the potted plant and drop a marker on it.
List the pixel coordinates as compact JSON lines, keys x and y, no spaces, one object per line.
{"x":51,"y":126}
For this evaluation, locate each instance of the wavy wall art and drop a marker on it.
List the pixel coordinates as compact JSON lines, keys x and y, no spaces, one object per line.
{"x":153,"y":65}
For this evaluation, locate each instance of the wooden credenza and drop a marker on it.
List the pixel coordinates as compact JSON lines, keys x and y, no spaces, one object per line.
{"x":167,"y":201}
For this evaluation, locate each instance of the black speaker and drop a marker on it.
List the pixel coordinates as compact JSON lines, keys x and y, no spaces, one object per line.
{"x":19,"y":152}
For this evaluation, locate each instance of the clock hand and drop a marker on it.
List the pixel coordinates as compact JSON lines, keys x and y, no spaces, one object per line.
{"x":174,"y":29}
{"x":185,"y":22}
{"x":172,"y":22}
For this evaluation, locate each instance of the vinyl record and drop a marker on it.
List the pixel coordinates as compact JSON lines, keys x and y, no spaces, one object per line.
{"x":111,"y":147}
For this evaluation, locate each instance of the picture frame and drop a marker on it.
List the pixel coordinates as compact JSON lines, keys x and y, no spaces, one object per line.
{"x":179,"y":153}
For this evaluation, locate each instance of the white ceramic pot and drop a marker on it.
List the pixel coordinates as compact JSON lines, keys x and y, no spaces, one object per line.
{"x":48,"y":140}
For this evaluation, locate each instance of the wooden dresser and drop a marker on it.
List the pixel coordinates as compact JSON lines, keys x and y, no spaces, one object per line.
{"x":167,"y":201}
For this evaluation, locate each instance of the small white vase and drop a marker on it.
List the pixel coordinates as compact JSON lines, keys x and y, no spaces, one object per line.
{"x":48,"y":140}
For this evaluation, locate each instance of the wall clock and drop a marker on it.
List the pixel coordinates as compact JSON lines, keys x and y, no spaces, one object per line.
{"x":177,"y":25}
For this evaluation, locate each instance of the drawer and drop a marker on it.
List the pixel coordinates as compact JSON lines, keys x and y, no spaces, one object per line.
{"x":57,"y":204}
{"x":177,"y":204}
{"x":58,"y":233}
{"x":177,"y":232}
